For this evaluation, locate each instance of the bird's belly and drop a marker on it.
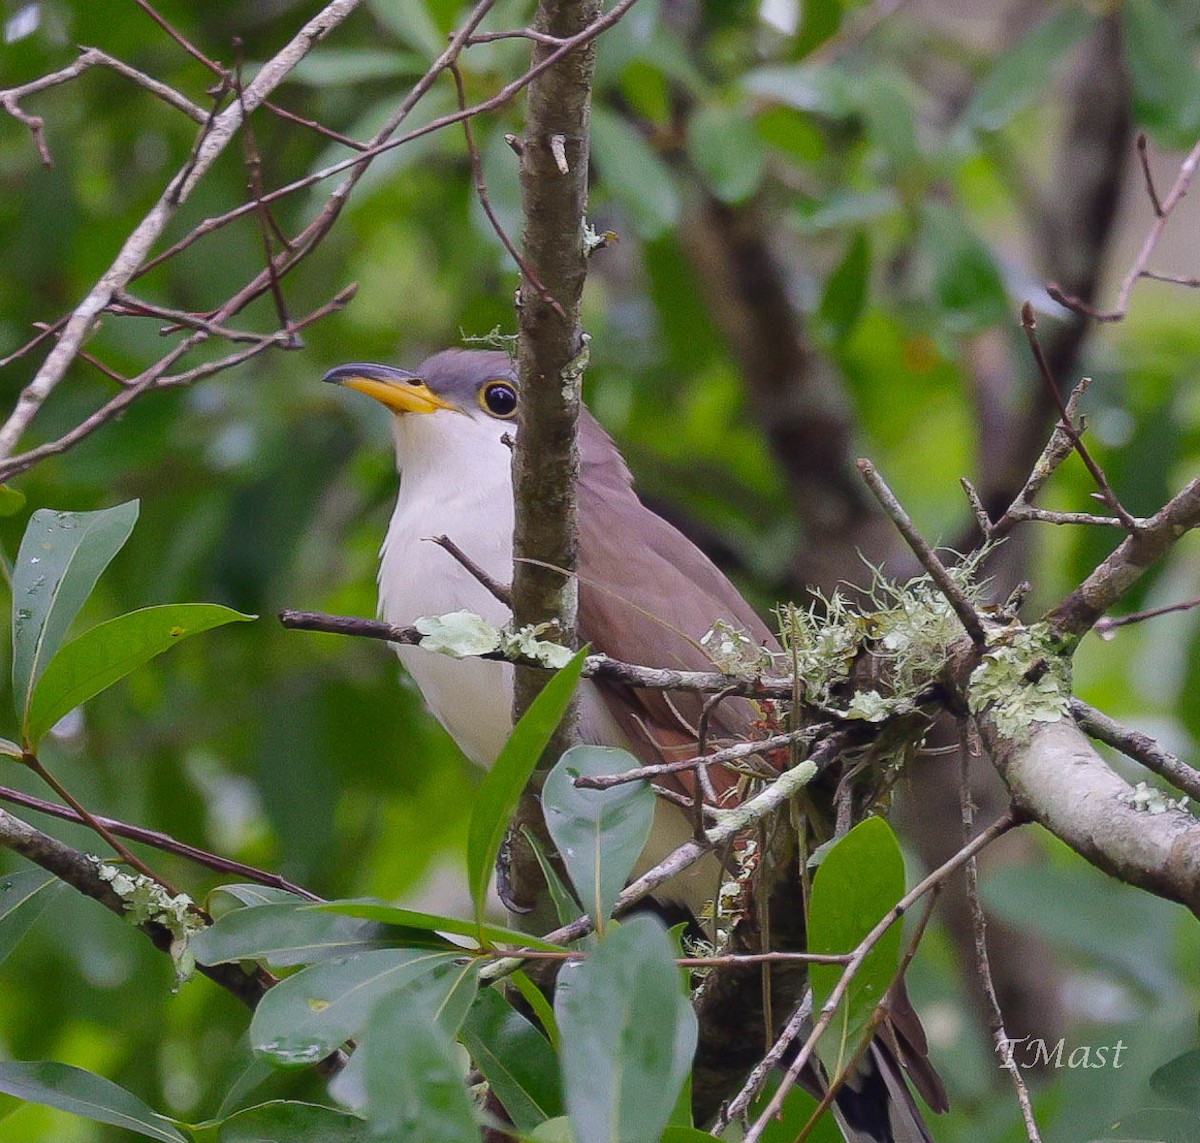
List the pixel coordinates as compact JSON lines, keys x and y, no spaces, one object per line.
{"x":471,"y":698}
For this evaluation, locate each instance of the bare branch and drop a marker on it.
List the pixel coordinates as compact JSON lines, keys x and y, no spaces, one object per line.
{"x":1162,"y":210}
{"x":1140,"y":747}
{"x":922,"y":550}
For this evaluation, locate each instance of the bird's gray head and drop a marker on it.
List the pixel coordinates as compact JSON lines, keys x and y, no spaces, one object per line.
{"x":480,"y":384}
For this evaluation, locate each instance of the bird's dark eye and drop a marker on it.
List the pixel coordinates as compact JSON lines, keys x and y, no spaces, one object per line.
{"x":499,"y":398}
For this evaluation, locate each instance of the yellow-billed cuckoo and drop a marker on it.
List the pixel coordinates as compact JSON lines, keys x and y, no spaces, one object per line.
{"x":647,"y":595}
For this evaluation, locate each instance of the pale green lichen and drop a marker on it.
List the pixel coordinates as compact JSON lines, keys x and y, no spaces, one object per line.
{"x":462,"y":634}
{"x":524,"y":643}
{"x":458,"y":633}
{"x":147,"y":902}
{"x":732,"y":651}
{"x":1023,"y":678}
{"x":1151,"y":800}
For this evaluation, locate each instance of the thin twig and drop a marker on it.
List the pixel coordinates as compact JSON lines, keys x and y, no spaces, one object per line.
{"x":1029,"y":325}
{"x":1162,"y":209}
{"x":1140,"y":747}
{"x":732,"y":753}
{"x":982,"y":963}
{"x":95,"y":824}
{"x":921,"y":549}
{"x":158,"y":840}
{"x":1143,"y":159}
{"x":594,"y":666}
{"x":1112,"y":622}
{"x":740,"y":1103}
{"x":485,"y":199}
{"x":499,"y":591}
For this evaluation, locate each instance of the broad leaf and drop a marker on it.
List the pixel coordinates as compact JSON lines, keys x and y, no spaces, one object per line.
{"x":515,"y":1058}
{"x":725,"y":147}
{"x":501,"y":788}
{"x":61,"y":556}
{"x":634,"y":174}
{"x":293,"y":933}
{"x":412,"y":1075}
{"x":109,"y":651}
{"x":305,"y":1017}
{"x":846,"y":289}
{"x":963,"y":277}
{"x":294,"y":1122}
{"x":1162,"y":71}
{"x":84,"y":1093}
{"x":421,"y":925}
{"x":628,"y":1035}
{"x":599,"y":834}
{"x":23,"y":898}
{"x":1022,"y":73}
{"x":861,"y":878}
{"x":1177,"y":1080}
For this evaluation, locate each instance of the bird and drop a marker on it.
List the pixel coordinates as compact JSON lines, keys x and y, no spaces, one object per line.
{"x":647,"y":595}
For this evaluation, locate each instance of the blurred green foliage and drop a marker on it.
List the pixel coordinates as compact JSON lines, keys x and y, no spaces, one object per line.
{"x":894,"y":168}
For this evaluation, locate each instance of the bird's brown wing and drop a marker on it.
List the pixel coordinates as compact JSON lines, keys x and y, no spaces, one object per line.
{"x":661,"y":596}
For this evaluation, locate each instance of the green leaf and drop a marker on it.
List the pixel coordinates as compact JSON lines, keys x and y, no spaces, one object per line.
{"x":501,"y":787}
{"x":253,"y":895}
{"x":61,"y":556}
{"x":303,"y":1018}
{"x":411,"y":1075}
{"x":108,"y":652}
{"x":820,"y":20}
{"x":1022,"y":73}
{"x":515,"y":1058}
{"x":725,"y":147}
{"x":861,"y":878}
{"x":687,"y":1135}
{"x":84,"y":1093}
{"x":1162,"y":70}
{"x":338,"y":67}
{"x":23,"y":898}
{"x":632,"y":172}
{"x":283,"y":1120}
{"x":556,"y":1130}
{"x":846,"y":289}
{"x":1179,"y":1080}
{"x":539,"y":1005}
{"x":12,"y":500}
{"x":292,"y":933}
{"x":628,"y":1034}
{"x":411,"y":22}
{"x":822,"y":90}
{"x":414,"y":922}
{"x":964,"y":280}
{"x":599,"y":834}
{"x":566,"y":908}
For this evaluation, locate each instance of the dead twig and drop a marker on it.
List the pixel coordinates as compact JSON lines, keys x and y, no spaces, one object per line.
{"x":924,"y":552}
{"x":499,"y":591}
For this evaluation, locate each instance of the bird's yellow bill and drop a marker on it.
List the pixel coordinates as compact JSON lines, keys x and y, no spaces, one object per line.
{"x":399,"y":396}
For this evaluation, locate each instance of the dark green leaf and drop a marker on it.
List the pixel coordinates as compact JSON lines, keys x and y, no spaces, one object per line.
{"x":501,"y":788}
{"x":286,"y":1121}
{"x":628,"y":1034}
{"x":108,"y":652}
{"x":1179,"y":1080}
{"x":861,"y":878}
{"x":414,"y":922}
{"x":515,"y":1058}
{"x":254,"y":895}
{"x":61,"y":556}
{"x":1021,"y":74}
{"x":687,"y":1135}
{"x":23,"y":898}
{"x":566,"y":908}
{"x":820,"y":20}
{"x":539,"y":1005}
{"x":964,"y":280}
{"x":412,"y":23}
{"x":303,"y":1018}
{"x":727,"y":151}
{"x":599,"y":834}
{"x":1160,"y":57}
{"x":84,"y":1093}
{"x":289,"y":933}
{"x":633,"y":174}
{"x":846,"y":289}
